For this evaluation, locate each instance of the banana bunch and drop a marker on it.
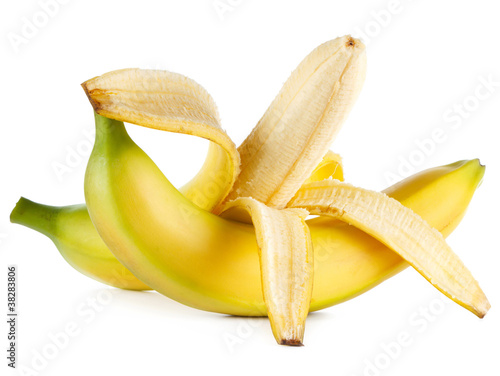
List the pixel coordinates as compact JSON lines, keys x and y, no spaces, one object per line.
{"x":236,"y":238}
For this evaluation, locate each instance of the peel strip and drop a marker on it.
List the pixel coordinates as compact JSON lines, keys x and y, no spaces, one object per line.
{"x":402,"y":230}
{"x":286,"y":262}
{"x":171,"y":102}
{"x":301,"y":123}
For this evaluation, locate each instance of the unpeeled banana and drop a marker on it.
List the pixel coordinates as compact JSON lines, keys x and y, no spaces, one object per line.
{"x":76,"y":238}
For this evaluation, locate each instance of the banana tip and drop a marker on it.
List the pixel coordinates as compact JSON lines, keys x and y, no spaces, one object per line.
{"x":354,"y":43}
{"x":291,"y":342}
{"x":483,"y":309}
{"x":18,"y":210}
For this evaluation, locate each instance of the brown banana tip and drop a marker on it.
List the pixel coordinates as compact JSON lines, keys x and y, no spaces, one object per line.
{"x":353,"y":43}
{"x":92,"y":101}
{"x":486,"y":308}
{"x":291,"y":342}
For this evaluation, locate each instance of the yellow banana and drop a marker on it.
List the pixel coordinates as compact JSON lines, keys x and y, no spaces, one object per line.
{"x":310,"y":109}
{"x":353,"y":261}
{"x":440,"y":195}
{"x":175,"y":243}
{"x":211,"y":263}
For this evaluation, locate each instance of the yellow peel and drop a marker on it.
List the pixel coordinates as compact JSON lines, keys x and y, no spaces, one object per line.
{"x":171,"y":102}
{"x":402,"y":230}
{"x":286,"y":262}
{"x":301,"y":123}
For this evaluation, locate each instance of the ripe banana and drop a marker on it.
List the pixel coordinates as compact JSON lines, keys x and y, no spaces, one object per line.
{"x":210,"y":263}
{"x":440,"y":195}
{"x":334,"y":72}
{"x":171,"y":241}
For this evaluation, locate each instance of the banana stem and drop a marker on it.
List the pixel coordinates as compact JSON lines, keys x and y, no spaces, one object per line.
{"x":35,"y":216}
{"x":106,"y":126}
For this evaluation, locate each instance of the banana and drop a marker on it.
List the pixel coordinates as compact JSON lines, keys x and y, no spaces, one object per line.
{"x":210,"y":263}
{"x":263,"y":192}
{"x":440,"y":195}
{"x":74,"y":235}
{"x":334,"y":72}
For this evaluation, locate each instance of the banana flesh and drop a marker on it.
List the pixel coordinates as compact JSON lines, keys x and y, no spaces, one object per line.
{"x":330,"y":167}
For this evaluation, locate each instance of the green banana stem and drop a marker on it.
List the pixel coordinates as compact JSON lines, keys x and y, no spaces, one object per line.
{"x":36,"y":216}
{"x":73,"y":233}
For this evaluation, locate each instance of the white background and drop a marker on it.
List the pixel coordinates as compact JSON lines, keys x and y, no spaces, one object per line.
{"x":421,"y":62}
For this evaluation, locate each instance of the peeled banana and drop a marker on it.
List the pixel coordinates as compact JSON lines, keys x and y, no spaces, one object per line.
{"x":235,"y":239}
